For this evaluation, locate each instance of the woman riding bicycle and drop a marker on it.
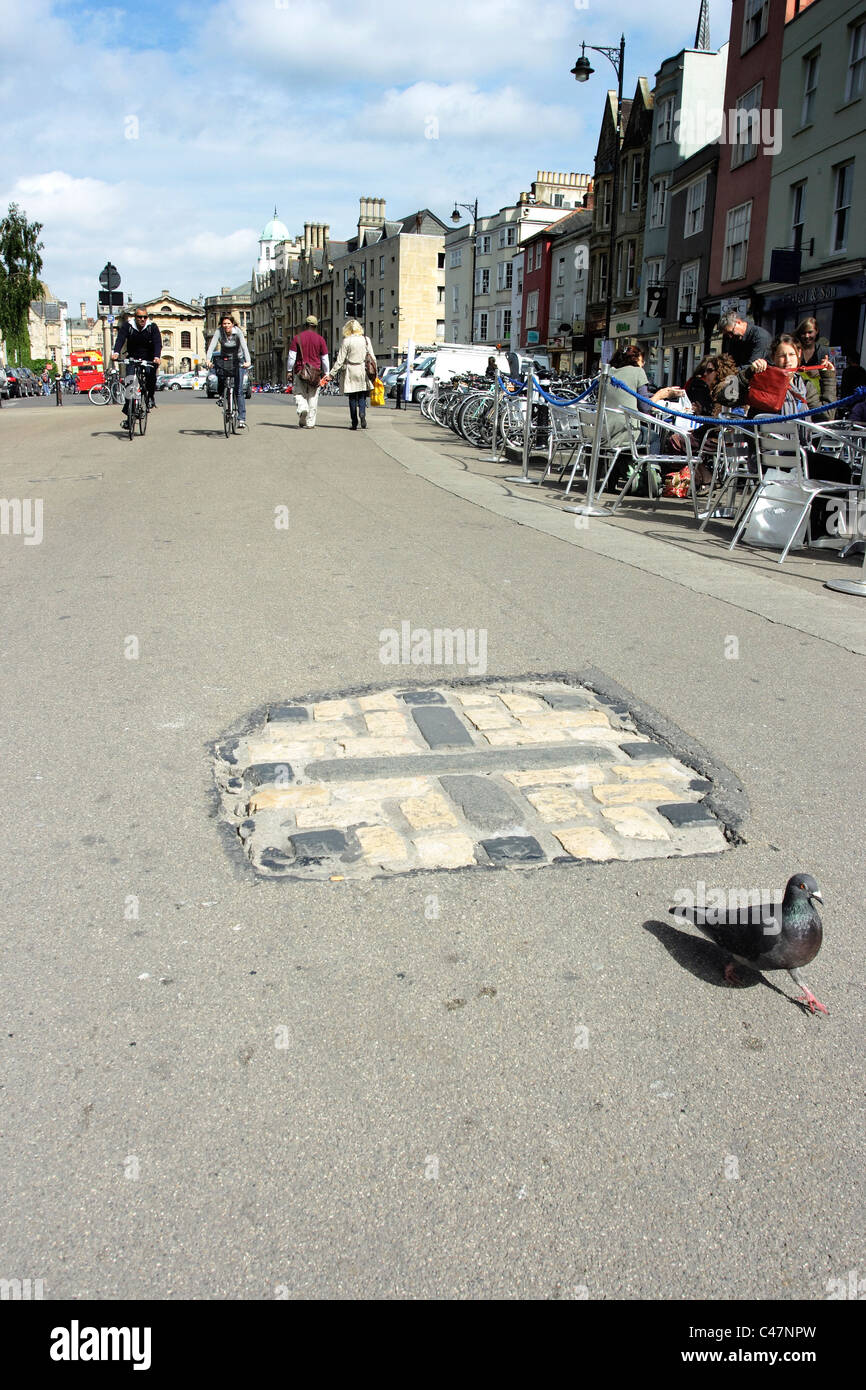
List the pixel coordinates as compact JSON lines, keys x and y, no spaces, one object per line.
{"x":228,"y":352}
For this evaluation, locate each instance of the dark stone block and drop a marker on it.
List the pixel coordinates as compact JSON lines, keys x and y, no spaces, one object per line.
{"x":685,"y":813}
{"x":565,"y":699}
{"x":441,"y":728}
{"x":246,"y":828}
{"x":482,"y":802}
{"x":422,"y":697}
{"x":646,"y":750}
{"x":513,"y":849}
{"x":312,"y":846}
{"x":284,"y":713}
{"x":265,"y":774}
{"x":700,"y":784}
{"x":235,"y":784}
{"x":226,"y":751}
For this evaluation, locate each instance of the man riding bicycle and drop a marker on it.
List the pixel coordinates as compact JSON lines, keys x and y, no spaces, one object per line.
{"x":229,"y":354}
{"x":143,"y":341}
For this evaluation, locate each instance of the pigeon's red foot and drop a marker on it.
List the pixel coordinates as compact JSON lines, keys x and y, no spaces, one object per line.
{"x":807,"y":997}
{"x":731,"y":974}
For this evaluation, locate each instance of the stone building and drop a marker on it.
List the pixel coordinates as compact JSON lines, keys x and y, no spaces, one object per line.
{"x":46,"y":321}
{"x":237,"y":301}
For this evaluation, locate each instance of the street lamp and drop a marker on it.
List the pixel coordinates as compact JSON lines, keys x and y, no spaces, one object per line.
{"x":455,"y":218}
{"x":582,"y":72}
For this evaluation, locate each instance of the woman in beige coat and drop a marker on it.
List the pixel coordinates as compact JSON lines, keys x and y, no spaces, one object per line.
{"x":351,"y":359}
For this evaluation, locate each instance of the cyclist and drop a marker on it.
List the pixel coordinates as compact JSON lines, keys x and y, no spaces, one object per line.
{"x":228,"y":351}
{"x":143,"y":340}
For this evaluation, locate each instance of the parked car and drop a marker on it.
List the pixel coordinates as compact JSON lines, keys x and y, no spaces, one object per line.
{"x":16,"y":383}
{"x":185,"y":381}
{"x":34,"y":384}
{"x":162,"y":380}
{"x":213,"y":385}
{"x":4,"y":385}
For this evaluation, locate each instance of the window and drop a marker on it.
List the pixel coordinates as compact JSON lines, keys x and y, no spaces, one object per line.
{"x":440,"y":260}
{"x":456,"y":257}
{"x":810,"y":86}
{"x":532,"y":309}
{"x":664,"y":120}
{"x":504,"y":275}
{"x":798,"y":214}
{"x":737,"y":226}
{"x":440,"y":294}
{"x":654,"y":270}
{"x":481,"y":320}
{"x":630,"y":255}
{"x":747,"y":130}
{"x":455,"y":298}
{"x":636,"y":175}
{"x":482,"y":281}
{"x":455,"y":329}
{"x":602,"y":275}
{"x":842,"y":206}
{"x":605,"y":202}
{"x":560,"y":271}
{"x":754,"y":22}
{"x":618,"y":280}
{"x":856,"y":61}
{"x":168,"y":339}
{"x":507,"y":236}
{"x":558,"y":309}
{"x":381,"y":330}
{"x":506,"y":323}
{"x":440,"y":328}
{"x":382,"y":267}
{"x":696,"y":197}
{"x":659,"y":201}
{"x":483,"y":245}
{"x":382,"y":300}
{"x":185,"y":340}
{"x":688,"y":300}
{"x":623,"y":192}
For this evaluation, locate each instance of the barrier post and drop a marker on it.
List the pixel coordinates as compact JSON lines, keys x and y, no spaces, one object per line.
{"x":494,"y":455}
{"x":527,"y":433}
{"x":589,"y":508}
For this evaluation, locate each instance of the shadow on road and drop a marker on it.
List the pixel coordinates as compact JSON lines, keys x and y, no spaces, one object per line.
{"x":704,"y":960}
{"x":205,"y":434}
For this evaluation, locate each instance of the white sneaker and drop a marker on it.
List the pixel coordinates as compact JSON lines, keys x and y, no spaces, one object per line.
{"x":242,"y":424}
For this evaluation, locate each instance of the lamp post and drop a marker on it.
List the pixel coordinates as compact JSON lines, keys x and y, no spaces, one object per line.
{"x":455,"y":218}
{"x":582,"y":73}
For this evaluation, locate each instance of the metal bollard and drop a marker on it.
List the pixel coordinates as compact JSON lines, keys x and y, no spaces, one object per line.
{"x":588,"y":508}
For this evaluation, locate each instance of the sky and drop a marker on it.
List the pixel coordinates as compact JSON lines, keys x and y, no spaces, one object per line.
{"x":161,"y":135}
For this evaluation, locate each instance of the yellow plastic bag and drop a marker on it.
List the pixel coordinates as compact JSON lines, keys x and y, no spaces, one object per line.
{"x":377,"y":392}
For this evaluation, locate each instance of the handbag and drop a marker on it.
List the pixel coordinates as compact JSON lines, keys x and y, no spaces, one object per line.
{"x":370,"y":363}
{"x":308,"y":373}
{"x":768,"y":389}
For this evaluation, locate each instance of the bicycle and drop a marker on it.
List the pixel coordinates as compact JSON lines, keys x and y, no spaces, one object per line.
{"x":230,"y":404}
{"x":135,"y":391}
{"x":110,"y":391}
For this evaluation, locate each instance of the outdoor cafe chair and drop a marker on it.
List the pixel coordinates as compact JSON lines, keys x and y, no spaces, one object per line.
{"x":733,"y":464}
{"x":566,"y":437}
{"x":645,"y":457}
{"x":778,"y":448}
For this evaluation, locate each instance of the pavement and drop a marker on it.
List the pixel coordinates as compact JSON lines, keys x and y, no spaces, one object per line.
{"x":514,"y":1084}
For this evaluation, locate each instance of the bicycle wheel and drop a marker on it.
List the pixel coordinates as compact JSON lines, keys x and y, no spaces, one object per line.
{"x":100,"y":395}
{"x":130,"y":420}
{"x":234,"y":414}
{"x":227,"y":410}
{"x":116,"y":392}
{"x":142,"y":415}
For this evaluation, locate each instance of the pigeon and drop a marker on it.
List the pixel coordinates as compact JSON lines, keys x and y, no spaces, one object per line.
{"x":756,"y":937}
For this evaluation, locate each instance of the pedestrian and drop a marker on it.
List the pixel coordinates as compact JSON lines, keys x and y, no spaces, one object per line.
{"x":742,"y":339}
{"x":308,"y":360}
{"x":355,"y":349}
{"x":491,"y":369}
{"x":802,"y":391}
{"x":815,"y":353}
{"x":627,"y":366}
{"x":230,"y":356}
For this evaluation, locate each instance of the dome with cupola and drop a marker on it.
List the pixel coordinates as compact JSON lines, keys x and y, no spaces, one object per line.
{"x":274,"y":230}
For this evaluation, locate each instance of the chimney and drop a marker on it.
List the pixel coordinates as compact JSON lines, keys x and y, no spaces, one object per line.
{"x":307,"y":242}
{"x":83,"y":307}
{"x":225,"y":289}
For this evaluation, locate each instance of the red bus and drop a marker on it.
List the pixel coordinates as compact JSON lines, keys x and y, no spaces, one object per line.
{"x":87,"y":367}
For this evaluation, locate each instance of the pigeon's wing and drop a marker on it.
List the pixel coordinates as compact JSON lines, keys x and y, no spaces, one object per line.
{"x":747,"y":934}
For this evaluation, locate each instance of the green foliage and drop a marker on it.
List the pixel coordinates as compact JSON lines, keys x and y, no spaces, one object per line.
{"x":20,"y":269}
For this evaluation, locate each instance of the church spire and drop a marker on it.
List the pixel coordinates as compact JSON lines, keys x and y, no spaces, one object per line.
{"x":702,"y":33}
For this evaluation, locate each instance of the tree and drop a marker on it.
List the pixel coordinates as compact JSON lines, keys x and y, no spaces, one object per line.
{"x":20,"y":269}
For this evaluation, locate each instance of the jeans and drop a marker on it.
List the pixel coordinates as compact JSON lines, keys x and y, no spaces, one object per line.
{"x":239,"y":380}
{"x":357,"y":405}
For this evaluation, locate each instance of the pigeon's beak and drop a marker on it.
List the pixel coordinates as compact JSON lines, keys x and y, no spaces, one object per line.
{"x":816,"y":896}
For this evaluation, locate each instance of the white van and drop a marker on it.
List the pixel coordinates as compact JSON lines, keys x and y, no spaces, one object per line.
{"x":450,"y":360}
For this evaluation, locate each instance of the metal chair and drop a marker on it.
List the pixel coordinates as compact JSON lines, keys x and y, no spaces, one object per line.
{"x":734,"y":463}
{"x":778,"y":447}
{"x":566,"y":436}
{"x":643,"y":458}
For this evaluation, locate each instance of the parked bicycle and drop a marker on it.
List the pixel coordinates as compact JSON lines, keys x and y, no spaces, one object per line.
{"x":110,"y":391}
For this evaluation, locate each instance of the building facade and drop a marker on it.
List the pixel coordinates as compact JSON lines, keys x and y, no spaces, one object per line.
{"x":181,"y":325}
{"x":237,"y":302}
{"x":685,"y":332}
{"x":816,"y":202}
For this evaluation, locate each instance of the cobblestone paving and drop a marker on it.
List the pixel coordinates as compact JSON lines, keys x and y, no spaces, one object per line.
{"x":501,"y":774}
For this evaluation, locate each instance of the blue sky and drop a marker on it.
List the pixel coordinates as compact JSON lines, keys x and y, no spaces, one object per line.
{"x":165,"y":133}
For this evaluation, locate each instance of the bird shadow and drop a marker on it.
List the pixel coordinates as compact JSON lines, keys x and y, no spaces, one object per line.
{"x":704,"y":960}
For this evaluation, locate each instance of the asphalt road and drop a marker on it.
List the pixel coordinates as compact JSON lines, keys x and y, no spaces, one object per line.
{"x":157,"y":1142}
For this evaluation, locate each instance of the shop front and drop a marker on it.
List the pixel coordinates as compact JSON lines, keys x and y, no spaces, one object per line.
{"x":838,"y":305}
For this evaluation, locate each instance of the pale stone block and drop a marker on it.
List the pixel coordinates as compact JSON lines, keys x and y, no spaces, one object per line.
{"x":637,"y":772}
{"x":377,"y":747}
{"x":565,"y":719}
{"x":333,"y":709}
{"x":386,"y":723}
{"x":285,"y":752}
{"x":586,"y":843}
{"x":384,"y":701}
{"x":428,"y":812}
{"x":349,"y":813}
{"x":581,"y":776}
{"x":304,"y":733}
{"x":557,"y":804}
{"x":474,"y":699}
{"x":628,"y":792}
{"x":634,"y":824}
{"x":382,"y":845}
{"x":522,"y":738}
{"x":489,"y":718}
{"x":521,"y":704}
{"x":445,"y":851}
{"x":288,"y":798}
